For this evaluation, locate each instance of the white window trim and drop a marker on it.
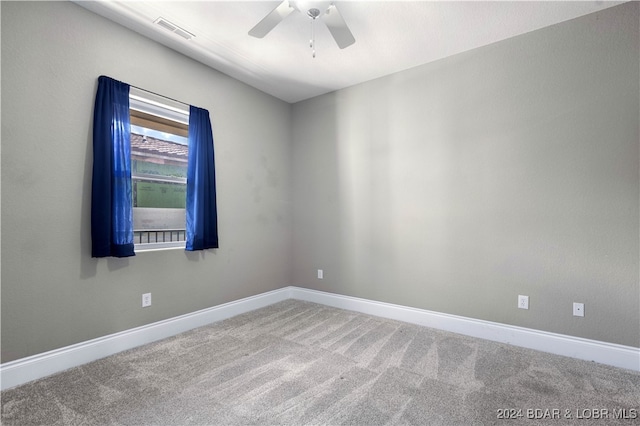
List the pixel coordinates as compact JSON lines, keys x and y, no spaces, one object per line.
{"x":144,"y":247}
{"x":151,"y":103}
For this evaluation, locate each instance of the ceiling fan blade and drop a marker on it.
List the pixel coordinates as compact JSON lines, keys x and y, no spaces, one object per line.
{"x":271,"y":20}
{"x":338,"y":28}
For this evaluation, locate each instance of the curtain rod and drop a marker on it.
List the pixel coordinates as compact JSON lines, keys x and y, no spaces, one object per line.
{"x":162,"y":96}
{"x":145,"y":90}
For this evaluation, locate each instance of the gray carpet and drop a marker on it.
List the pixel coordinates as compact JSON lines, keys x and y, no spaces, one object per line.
{"x":299,"y":363}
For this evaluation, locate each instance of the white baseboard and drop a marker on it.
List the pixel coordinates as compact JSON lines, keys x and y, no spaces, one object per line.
{"x":576,"y":347}
{"x":24,"y":370}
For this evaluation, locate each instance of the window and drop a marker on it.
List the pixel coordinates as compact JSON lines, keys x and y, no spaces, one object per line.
{"x":159,"y":159}
{"x":161,"y":125}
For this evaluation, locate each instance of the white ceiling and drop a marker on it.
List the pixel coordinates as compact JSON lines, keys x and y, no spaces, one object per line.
{"x":390,"y":36}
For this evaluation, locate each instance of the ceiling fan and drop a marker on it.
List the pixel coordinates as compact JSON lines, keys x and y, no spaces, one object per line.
{"x":327,"y":11}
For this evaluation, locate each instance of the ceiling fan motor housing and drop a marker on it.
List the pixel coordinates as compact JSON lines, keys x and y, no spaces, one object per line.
{"x":307,"y":6}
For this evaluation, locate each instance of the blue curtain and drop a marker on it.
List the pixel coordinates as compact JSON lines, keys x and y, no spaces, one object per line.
{"x":202,"y":216}
{"x":111,"y":192}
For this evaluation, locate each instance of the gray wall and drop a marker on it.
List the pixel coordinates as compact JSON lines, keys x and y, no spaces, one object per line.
{"x":509,"y":169}
{"x":455,"y":186}
{"x":53,"y":293}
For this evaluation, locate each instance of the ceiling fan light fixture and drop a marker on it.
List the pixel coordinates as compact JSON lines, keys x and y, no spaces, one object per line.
{"x":313,"y":13}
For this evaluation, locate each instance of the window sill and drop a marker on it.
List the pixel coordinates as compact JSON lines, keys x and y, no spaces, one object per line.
{"x":143,"y":248}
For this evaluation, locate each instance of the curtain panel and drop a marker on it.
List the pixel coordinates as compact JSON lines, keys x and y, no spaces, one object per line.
{"x":202,"y":221}
{"x":111,"y":188}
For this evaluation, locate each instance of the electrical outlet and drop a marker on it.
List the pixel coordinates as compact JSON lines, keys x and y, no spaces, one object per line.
{"x":578,"y":309}
{"x":523,"y":302}
{"x":146,"y":300}
{"x":320,"y":274}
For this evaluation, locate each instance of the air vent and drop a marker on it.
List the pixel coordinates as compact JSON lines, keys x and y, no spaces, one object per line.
{"x":174,"y":28}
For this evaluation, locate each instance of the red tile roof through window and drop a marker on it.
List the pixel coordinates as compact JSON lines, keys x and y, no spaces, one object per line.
{"x":150,"y":145}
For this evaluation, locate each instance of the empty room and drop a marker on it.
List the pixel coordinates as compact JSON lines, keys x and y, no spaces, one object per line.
{"x":307,"y":212}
